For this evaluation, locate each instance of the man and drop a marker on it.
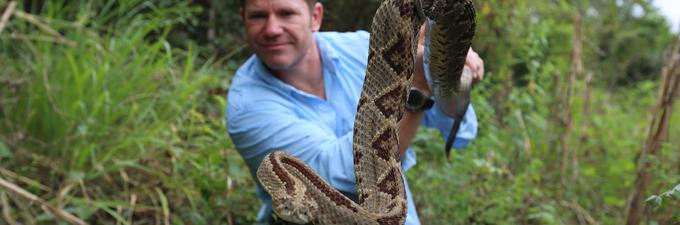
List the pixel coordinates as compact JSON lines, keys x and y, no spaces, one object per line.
{"x":299,"y":93}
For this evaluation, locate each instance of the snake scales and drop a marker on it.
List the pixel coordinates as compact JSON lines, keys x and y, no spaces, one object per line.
{"x":299,"y":195}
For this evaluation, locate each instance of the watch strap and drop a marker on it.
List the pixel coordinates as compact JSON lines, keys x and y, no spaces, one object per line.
{"x":417,"y":101}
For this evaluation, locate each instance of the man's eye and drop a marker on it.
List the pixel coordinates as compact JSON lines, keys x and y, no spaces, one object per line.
{"x":257,"y":16}
{"x":287,"y":13}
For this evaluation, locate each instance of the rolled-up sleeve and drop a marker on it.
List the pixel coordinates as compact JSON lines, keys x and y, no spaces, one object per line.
{"x":268,"y":126}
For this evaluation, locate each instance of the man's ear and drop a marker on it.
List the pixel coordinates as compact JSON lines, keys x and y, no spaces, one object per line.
{"x":317,"y":16}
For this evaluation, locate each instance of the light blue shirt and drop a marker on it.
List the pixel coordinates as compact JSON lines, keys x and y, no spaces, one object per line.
{"x":265,"y":114}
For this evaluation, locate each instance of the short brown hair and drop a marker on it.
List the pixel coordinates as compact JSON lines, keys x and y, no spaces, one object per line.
{"x":310,"y":3}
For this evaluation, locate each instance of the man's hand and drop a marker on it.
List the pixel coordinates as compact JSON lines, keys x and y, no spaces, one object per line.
{"x":476,"y":65}
{"x":472,"y":61}
{"x":411,"y":120}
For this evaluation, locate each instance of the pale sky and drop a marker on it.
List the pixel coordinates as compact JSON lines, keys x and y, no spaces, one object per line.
{"x":670,"y":9}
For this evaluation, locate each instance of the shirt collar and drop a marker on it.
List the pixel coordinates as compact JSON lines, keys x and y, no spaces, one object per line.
{"x":262,"y":72}
{"x":329,"y":57}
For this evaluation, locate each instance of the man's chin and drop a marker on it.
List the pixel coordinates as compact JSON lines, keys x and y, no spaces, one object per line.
{"x":278,"y":64}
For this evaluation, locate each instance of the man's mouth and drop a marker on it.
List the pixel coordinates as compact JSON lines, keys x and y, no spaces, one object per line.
{"x":274,"y":46}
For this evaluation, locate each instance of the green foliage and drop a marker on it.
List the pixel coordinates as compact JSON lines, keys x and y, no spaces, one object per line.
{"x":4,"y":151}
{"x":121,"y":110}
{"x":216,"y":29}
{"x":337,"y":17}
{"x":630,"y":41}
{"x":657,"y":200}
{"x":510,"y":174}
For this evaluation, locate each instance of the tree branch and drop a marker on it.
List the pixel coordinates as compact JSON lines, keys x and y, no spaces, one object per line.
{"x":657,"y":134}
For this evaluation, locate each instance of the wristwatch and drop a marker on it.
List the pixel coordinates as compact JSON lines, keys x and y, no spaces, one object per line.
{"x":417,"y":101}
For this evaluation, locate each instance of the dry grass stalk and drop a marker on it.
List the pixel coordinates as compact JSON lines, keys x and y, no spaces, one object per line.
{"x":54,"y":36}
{"x":64,"y":192}
{"x":6,"y":213}
{"x":525,"y":133}
{"x":57,"y":212}
{"x":37,"y":22}
{"x":587,"y":96}
{"x":25,"y":180}
{"x":8,"y":13}
{"x":567,"y":118}
{"x":81,"y":183}
{"x":656,"y":135}
{"x":581,"y":212}
{"x":229,"y":189}
{"x":133,"y":201}
{"x":53,"y":39}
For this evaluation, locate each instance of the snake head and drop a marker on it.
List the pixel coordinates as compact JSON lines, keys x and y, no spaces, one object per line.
{"x":295,"y":209}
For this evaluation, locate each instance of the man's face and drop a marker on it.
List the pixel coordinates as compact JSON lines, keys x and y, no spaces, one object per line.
{"x":280,"y":31}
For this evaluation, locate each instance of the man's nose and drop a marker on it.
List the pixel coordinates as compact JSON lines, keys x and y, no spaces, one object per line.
{"x":273,"y":27}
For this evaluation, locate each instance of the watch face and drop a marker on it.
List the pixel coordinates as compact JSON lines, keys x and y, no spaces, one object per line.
{"x":415,"y":100}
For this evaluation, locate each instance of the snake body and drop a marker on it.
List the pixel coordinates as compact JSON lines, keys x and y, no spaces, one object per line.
{"x":300,"y":195}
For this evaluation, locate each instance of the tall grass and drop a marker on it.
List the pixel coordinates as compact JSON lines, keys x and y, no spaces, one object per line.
{"x":510,"y":175}
{"x":119,"y":126}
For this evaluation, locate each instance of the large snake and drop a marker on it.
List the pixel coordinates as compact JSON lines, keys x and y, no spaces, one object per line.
{"x":300,"y":195}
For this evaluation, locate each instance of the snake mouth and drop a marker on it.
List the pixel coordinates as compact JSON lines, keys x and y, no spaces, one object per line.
{"x":292,"y":209}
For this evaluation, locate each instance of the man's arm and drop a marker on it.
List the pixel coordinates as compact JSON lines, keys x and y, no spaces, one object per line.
{"x":411,"y":120}
{"x":435,"y":117}
{"x":261,"y":128}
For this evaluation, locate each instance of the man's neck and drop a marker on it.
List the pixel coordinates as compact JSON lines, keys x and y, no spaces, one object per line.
{"x":306,"y":75}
